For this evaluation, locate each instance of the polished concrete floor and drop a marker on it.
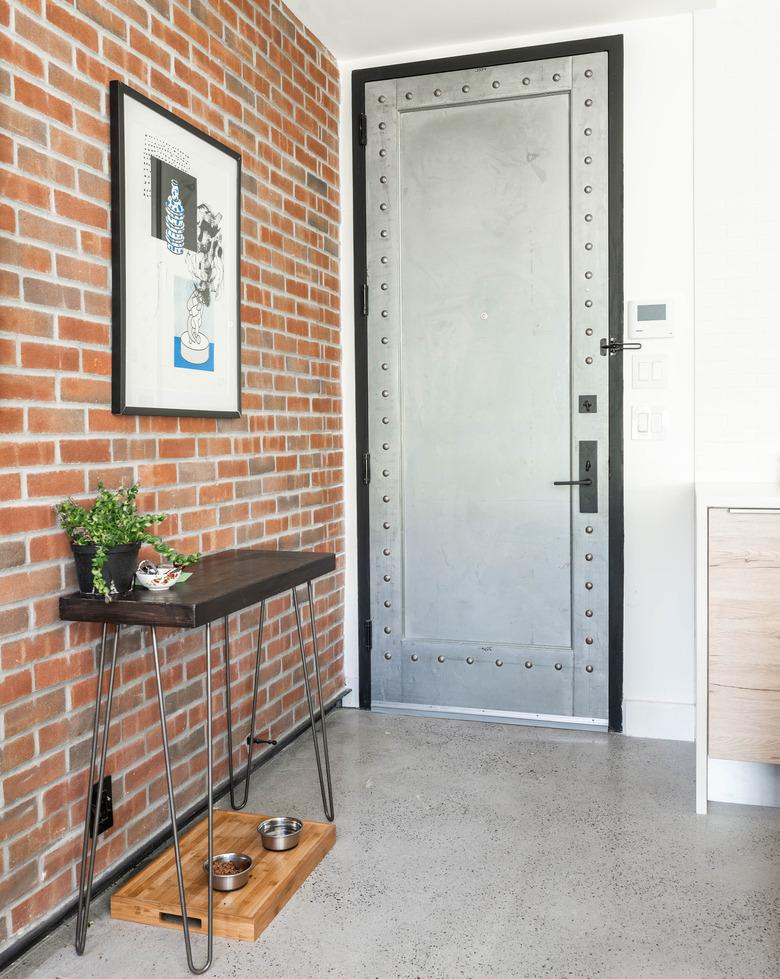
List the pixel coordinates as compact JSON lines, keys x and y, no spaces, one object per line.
{"x":469,"y":850}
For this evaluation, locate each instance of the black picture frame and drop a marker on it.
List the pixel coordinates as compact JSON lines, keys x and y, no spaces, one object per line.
{"x":120,"y":405}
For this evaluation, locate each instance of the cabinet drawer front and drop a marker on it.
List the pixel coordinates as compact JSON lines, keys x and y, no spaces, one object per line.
{"x":744,"y":725}
{"x":744,"y":599}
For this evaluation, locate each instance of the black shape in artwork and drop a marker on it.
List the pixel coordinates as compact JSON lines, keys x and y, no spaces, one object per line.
{"x":174,"y":206}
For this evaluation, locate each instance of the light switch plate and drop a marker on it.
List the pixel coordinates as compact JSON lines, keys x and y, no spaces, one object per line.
{"x":649,"y":423}
{"x":650,"y":371}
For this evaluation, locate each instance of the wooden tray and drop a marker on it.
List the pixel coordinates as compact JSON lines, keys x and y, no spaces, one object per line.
{"x":151,"y":897}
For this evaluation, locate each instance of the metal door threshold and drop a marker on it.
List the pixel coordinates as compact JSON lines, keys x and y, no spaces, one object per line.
{"x":492,"y":716}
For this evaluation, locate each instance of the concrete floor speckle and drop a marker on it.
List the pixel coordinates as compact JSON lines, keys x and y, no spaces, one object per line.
{"x":480,"y":850}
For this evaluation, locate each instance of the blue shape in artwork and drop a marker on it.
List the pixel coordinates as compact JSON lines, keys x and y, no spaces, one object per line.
{"x":179,"y":361}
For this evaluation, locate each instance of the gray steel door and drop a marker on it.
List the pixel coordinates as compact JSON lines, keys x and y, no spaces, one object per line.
{"x":487,"y":291}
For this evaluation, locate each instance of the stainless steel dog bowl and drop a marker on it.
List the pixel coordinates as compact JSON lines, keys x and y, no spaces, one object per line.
{"x":280,"y":833}
{"x":230,"y":882}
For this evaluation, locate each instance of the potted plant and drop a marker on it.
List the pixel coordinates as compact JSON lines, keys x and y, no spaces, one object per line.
{"x":107,"y":537}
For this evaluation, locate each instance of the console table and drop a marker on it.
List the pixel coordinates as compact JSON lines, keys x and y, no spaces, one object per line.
{"x":221,"y":584}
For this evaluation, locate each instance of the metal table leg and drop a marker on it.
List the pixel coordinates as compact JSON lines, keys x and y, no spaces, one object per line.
{"x":327,"y":803}
{"x":172,"y":806}
{"x":229,"y":711}
{"x":91,"y":829}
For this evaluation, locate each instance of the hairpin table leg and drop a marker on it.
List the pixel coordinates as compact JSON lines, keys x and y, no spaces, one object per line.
{"x":233,"y":803}
{"x":327,"y":802}
{"x":91,"y":826}
{"x":172,"y":806}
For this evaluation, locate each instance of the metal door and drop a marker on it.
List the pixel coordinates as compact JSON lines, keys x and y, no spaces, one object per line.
{"x":486,"y":298}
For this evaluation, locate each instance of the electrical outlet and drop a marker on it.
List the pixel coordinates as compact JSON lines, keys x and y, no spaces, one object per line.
{"x":106,"y":806}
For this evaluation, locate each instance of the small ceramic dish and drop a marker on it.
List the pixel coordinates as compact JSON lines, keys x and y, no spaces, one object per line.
{"x":162,"y":579}
{"x":230,"y":882}
{"x":280,"y":832}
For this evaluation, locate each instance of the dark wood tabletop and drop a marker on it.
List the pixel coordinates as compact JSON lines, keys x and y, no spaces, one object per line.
{"x":220,"y":584}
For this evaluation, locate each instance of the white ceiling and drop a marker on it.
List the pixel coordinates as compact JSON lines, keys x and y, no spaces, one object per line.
{"x":358,"y":29}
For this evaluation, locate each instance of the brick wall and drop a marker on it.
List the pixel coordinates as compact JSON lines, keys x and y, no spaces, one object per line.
{"x":249,"y":73}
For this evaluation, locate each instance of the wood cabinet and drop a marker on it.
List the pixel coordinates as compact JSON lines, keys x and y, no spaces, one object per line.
{"x":743,"y":630}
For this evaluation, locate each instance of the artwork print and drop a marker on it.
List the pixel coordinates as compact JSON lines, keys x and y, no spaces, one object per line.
{"x":176,"y":254}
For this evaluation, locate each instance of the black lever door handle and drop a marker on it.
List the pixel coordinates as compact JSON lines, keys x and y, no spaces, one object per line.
{"x":573,"y":482}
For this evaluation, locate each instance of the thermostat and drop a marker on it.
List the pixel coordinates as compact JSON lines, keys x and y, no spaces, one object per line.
{"x":650,"y":320}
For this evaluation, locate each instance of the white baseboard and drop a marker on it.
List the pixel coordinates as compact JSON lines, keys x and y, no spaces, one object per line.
{"x":351,"y":700}
{"x":747,"y":782}
{"x":659,"y":719}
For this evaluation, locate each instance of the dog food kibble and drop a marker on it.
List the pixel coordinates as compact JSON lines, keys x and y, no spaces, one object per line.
{"x":226,"y":867}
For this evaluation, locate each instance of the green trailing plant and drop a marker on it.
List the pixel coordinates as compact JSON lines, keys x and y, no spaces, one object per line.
{"x":113,"y":520}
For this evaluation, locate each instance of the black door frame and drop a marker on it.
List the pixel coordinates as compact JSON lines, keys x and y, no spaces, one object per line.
{"x":613,"y":45}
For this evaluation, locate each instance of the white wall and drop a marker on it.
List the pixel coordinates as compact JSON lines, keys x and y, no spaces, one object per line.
{"x":737,"y":242}
{"x":659,"y":649}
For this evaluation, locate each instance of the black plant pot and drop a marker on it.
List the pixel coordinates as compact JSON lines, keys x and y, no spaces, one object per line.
{"x":118,"y":571}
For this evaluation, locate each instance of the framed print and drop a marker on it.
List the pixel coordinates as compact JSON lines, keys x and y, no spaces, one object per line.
{"x":176,"y":258}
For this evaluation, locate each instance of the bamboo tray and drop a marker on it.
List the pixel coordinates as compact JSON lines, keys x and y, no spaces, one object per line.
{"x":151,"y":897}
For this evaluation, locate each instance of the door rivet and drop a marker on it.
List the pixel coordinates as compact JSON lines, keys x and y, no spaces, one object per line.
{"x":383,"y":233}
{"x":387,"y":630}
{"x":440,"y":659}
{"x":588,"y":668}
{"x":437,"y":92}
{"x":496,"y":84}
{"x":589,"y":585}
{"x":559,"y":666}
{"x":385,"y":314}
{"x":588,"y":189}
{"x":385,"y":394}
{"x":386,"y":525}
{"x":383,"y":206}
{"x":383,"y":179}
{"x":385,"y":367}
{"x":499,"y":662}
{"x":388,"y":655}
{"x":382,"y":99}
{"x":388,"y":604}
{"x":385,"y":446}
{"x":588,"y":613}
{"x":588,"y":246}
{"x":588,"y":275}
{"x":384,"y":286}
{"x":483,"y":315}
{"x":414,"y":657}
{"x":528,"y":664}
{"x":588,"y":640}
{"x":588,"y":131}
{"x":556,"y":77}
{"x":383,"y":125}
{"x":588,"y":73}
{"x":409,"y":95}
{"x":466,"y":89}
{"x":588,"y":530}
{"x":385,"y":472}
{"x":470,"y":660}
{"x":383,"y":152}
{"x":588,"y":360}
{"x":387,"y":577}
{"x":588,"y":102}
{"x":385,"y":420}
{"x":384,"y":260}
{"x":384,"y":339}
{"x":386,"y":551}
{"x":526,"y":81}
{"x":589,"y":332}
{"x":588,"y":303}
{"x":588,"y":557}
{"x":588,"y":217}
{"x":386,"y":499}
{"x":588,"y":160}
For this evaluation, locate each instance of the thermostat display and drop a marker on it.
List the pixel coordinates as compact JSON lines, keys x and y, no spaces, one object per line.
{"x":650,"y":320}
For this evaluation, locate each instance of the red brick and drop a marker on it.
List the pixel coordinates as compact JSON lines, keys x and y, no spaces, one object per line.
{"x":26,"y":387}
{"x":83,"y":331}
{"x":63,"y":482}
{"x":15,"y":685}
{"x":80,"y":210}
{"x":41,"y":292}
{"x":19,"y":55}
{"x":42,"y":38}
{"x":85,"y":389}
{"x":46,"y":167}
{"x":50,"y":357}
{"x":77,"y":149}
{"x":10,"y":486}
{"x":73,"y":26}
{"x":24,"y":454}
{"x":23,"y":189}
{"x":41,"y":229}
{"x":96,"y":362}
{"x":42,"y":101}
{"x":87,"y":272}
{"x":48,"y":547}
{"x":55,"y":420}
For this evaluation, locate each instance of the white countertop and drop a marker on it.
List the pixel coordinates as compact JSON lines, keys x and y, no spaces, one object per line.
{"x":754,"y":495}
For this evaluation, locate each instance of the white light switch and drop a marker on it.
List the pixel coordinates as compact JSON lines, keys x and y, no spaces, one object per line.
{"x":650,"y":371}
{"x":648,"y":422}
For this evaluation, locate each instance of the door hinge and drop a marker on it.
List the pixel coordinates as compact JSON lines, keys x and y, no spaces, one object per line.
{"x":366,"y":468}
{"x":362,"y":129}
{"x":365,"y":299}
{"x":368,"y":634}
{"x":613,"y":346}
